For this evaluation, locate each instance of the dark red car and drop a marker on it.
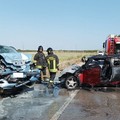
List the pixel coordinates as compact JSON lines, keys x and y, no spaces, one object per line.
{"x":97,"y":71}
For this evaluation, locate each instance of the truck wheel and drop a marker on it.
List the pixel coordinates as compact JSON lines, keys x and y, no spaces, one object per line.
{"x":71,"y":83}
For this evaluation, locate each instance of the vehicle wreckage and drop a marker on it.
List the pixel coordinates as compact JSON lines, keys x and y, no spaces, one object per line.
{"x":15,"y":70}
{"x":97,"y":71}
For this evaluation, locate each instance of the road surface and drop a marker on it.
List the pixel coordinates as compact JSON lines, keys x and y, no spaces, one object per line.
{"x":68,"y":105}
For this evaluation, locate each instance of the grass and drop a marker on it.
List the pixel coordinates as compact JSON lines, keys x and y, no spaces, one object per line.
{"x":63,"y":56}
{"x":68,"y":57}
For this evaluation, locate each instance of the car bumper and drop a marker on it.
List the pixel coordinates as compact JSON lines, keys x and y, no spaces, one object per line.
{"x":24,"y":78}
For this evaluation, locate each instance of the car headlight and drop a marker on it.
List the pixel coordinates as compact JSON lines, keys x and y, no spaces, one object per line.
{"x":19,"y":62}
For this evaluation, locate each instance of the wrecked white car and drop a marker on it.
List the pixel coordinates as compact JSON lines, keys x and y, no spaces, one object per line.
{"x":15,"y":70}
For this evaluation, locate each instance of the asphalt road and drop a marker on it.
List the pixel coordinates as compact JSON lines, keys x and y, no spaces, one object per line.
{"x":79,"y":104}
{"x":93,"y":105}
{"x":37,"y":104}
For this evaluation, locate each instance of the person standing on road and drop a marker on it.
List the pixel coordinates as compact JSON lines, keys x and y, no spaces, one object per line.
{"x":40,"y":62}
{"x":53,"y":64}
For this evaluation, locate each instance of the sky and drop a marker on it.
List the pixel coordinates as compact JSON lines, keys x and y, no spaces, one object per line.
{"x":60,"y":24}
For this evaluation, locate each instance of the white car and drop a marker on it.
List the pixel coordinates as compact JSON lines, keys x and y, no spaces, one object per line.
{"x":100,"y":52}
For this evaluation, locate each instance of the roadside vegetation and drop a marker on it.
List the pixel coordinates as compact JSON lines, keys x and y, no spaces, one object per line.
{"x":67,"y":57}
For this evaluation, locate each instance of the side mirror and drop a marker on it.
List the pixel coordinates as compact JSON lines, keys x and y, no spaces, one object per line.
{"x":83,"y":59}
{"x":103,"y":45}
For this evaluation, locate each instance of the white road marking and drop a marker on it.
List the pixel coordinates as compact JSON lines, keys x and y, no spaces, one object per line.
{"x":61,"y":110}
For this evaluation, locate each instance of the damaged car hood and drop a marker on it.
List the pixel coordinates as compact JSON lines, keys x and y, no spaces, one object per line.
{"x":70,"y":69}
{"x":15,"y":58}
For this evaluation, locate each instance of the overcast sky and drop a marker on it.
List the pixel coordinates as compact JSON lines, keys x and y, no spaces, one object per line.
{"x":60,"y":24}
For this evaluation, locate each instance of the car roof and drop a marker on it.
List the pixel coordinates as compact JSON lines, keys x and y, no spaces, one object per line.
{"x":2,"y":46}
{"x":103,"y":57}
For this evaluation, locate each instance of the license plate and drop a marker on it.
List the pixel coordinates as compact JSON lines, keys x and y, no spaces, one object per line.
{"x":18,"y":75}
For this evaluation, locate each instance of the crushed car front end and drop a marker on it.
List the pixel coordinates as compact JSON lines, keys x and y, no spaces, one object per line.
{"x":15,"y":69}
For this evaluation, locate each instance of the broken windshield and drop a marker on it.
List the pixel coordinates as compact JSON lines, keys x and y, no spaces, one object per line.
{"x":7,"y":49}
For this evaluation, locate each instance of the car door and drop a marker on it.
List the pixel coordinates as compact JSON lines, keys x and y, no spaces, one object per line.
{"x":91,"y":75}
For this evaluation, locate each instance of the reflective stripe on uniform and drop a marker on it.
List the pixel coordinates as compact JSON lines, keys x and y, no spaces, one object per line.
{"x":39,"y":66}
{"x":53,"y":70}
{"x":34,"y":61}
{"x":52,"y":64}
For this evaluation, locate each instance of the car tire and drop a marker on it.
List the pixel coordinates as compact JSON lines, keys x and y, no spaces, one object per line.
{"x":71,"y":83}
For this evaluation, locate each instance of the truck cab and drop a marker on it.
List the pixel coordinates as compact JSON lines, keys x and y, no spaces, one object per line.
{"x":112,"y":45}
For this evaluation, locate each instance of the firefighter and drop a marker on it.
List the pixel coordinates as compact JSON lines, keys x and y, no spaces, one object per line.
{"x":40,"y":62}
{"x":53,"y":64}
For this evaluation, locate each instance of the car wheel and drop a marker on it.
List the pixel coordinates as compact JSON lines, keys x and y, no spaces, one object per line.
{"x":71,"y":83}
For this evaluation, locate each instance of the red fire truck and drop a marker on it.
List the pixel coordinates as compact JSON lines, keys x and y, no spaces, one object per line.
{"x":112,"y":45}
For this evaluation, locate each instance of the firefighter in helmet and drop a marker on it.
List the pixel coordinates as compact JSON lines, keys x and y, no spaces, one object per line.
{"x":40,"y":62}
{"x":53,"y":64}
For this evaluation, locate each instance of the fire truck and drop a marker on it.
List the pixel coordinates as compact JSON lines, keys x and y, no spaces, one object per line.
{"x":112,"y":45}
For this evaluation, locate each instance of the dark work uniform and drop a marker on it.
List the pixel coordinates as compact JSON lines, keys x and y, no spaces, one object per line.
{"x":53,"y":65}
{"x":41,"y":62}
